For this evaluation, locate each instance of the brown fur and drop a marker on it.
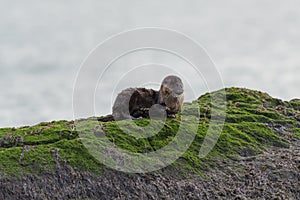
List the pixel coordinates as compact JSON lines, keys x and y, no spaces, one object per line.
{"x":136,"y":102}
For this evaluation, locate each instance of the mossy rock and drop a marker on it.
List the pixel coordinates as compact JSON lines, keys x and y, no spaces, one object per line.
{"x":246,"y":132}
{"x":295,"y":103}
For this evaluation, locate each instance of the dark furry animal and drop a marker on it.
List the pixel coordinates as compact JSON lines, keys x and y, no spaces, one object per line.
{"x":134,"y":103}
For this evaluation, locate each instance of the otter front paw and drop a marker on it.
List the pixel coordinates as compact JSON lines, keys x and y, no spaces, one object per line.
{"x":144,"y":109}
{"x":171,"y":115}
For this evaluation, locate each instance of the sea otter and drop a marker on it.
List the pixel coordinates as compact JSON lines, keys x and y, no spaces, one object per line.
{"x":133,"y":103}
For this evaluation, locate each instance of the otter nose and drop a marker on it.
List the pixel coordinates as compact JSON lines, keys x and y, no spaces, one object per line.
{"x":178,"y":91}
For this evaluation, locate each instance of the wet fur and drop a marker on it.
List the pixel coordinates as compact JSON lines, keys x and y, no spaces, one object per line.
{"x":136,"y":102}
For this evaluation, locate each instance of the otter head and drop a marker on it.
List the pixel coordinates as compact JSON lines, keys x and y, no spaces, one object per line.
{"x":171,"y":93}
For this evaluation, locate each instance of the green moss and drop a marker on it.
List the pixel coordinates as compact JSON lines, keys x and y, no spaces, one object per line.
{"x":9,"y":158}
{"x":295,"y":104}
{"x":73,"y":152}
{"x":248,"y":116}
{"x":296,"y":132}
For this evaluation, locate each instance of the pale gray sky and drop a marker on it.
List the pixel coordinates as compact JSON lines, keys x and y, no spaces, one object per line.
{"x":254,"y":43}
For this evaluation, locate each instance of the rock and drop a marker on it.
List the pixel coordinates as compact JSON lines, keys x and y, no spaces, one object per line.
{"x":256,"y":157}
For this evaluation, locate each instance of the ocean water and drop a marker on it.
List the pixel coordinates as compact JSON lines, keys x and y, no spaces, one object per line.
{"x":254,"y":44}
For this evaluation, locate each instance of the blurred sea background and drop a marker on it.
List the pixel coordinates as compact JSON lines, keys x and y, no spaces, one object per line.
{"x":254,"y":43}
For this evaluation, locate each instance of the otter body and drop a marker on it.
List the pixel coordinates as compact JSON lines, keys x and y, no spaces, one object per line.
{"x":136,"y":102}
